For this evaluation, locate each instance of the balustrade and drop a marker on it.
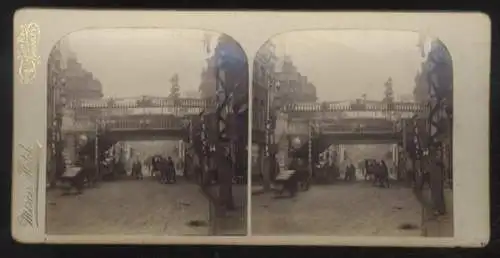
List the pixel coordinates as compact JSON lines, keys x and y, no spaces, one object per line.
{"x":143,"y":122}
{"x":332,"y":107}
{"x":147,"y":102}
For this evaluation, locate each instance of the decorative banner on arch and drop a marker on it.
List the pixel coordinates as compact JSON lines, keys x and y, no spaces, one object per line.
{"x":439,"y":75}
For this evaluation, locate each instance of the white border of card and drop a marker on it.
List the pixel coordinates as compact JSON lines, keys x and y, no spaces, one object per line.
{"x":467,"y":36}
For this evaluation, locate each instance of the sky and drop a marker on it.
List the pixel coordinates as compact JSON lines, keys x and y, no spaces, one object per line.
{"x":344,"y":64}
{"x":135,"y":62}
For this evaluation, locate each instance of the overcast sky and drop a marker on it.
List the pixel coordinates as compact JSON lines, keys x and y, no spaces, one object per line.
{"x":134,"y":62}
{"x":345,"y":64}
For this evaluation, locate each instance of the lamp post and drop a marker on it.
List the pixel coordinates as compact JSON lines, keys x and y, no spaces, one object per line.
{"x":96,"y":146}
{"x":313,"y":125}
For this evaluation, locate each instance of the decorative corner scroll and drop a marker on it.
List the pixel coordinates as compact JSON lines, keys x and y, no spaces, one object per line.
{"x":27,"y":41}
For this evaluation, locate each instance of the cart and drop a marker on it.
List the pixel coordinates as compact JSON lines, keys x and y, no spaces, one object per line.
{"x":285,"y":182}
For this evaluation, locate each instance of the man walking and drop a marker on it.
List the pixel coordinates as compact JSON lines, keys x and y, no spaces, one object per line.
{"x":137,"y":169}
{"x":170,"y":171}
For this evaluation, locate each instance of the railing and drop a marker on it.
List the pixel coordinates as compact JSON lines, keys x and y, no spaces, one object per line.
{"x":335,"y":107}
{"x":149,"y":102}
{"x":303,"y":128}
{"x":143,"y":122}
{"x":367,"y":130}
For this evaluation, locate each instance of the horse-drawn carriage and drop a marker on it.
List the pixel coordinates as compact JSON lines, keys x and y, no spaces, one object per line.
{"x":163,"y":169}
{"x":377,"y":171}
{"x":78,"y":175}
{"x":292,"y":181}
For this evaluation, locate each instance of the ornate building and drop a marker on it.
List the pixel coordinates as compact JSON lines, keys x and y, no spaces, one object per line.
{"x":294,"y":86}
{"x":80,"y":83}
{"x":68,"y":83}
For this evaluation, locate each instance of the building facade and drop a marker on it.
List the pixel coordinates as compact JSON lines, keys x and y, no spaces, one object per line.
{"x":293,"y":85}
{"x":80,"y":83}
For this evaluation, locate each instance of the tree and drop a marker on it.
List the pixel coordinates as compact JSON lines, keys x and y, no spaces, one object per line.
{"x":388,"y":93}
{"x":175,"y":90}
{"x":111,"y":102}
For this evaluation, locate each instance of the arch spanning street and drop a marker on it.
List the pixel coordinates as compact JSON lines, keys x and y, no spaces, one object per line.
{"x":310,"y":131}
{"x":318,"y":152}
{"x":108,"y":122}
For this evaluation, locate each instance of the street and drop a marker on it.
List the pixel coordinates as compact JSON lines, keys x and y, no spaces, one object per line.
{"x":341,"y":209}
{"x":234,"y":223}
{"x":130,"y":207}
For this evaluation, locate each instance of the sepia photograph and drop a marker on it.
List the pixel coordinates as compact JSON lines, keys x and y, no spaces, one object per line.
{"x":352,"y":135}
{"x":146,"y":133}
{"x":262,"y":128}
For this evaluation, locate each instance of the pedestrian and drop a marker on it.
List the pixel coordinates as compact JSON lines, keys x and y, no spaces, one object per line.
{"x":163,"y":169}
{"x":347,"y":172}
{"x":170,"y":171}
{"x":385,"y":168}
{"x":350,"y":171}
{"x":137,"y":170}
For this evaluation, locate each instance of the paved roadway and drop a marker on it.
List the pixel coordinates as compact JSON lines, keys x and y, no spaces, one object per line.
{"x":234,"y":223}
{"x":342,"y":209}
{"x":129,"y":207}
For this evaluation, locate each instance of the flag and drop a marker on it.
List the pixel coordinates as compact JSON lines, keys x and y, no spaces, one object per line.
{"x":423,"y":44}
{"x":220,"y":84}
{"x":206,"y":42}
